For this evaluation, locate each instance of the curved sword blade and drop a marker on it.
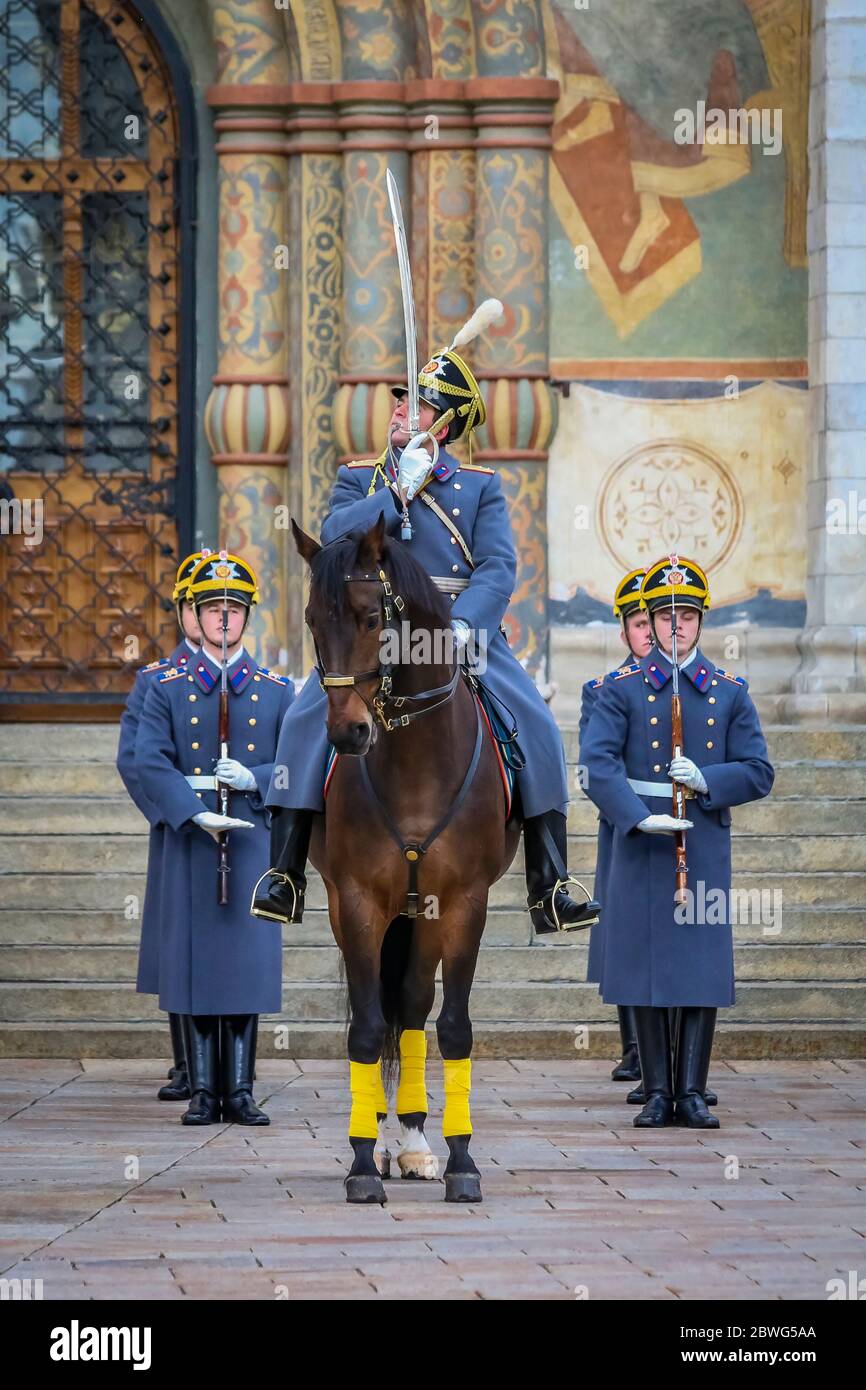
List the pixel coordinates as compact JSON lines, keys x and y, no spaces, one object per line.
{"x":408,"y":301}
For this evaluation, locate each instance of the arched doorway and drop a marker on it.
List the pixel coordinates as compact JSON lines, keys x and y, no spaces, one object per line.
{"x":95,"y":348}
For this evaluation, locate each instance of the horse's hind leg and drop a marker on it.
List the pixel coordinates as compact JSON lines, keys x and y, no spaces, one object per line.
{"x":366,"y":1038}
{"x":454,"y":1030}
{"x":416,"y":1159}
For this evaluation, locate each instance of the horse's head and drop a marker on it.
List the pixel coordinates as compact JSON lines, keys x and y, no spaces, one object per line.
{"x":345,"y":620}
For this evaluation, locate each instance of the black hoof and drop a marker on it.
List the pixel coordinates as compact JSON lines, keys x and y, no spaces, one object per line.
{"x":365,"y":1188}
{"x":463,"y":1187}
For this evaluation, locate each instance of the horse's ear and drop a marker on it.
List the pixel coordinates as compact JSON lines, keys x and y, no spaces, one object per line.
{"x":372,"y":546}
{"x":308,"y":549}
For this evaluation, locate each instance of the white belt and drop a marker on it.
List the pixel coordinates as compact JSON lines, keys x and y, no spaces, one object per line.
{"x":651,"y":788}
{"x":657,"y":788}
{"x":448,"y":585}
{"x":203,"y":784}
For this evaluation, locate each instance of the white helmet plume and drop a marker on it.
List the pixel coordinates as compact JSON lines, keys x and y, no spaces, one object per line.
{"x":486,"y":312}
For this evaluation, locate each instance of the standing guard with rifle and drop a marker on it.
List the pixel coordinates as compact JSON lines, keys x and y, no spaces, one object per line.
{"x":148,"y":968}
{"x":204,"y":756}
{"x":672,"y":712}
{"x":455,"y":518}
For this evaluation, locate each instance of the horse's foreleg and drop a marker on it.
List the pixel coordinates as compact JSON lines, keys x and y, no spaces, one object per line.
{"x":415,"y":1158}
{"x":366,"y":1039}
{"x":454,"y":1030}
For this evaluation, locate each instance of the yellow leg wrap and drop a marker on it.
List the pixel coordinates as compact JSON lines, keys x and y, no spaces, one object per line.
{"x":381,"y":1098}
{"x":365,"y":1079}
{"x":458,"y":1084}
{"x":412,"y":1091}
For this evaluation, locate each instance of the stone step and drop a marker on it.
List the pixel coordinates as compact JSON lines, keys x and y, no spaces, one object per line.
{"x":150,"y":1039}
{"x":103,"y":854}
{"x":101,"y":816}
{"x":811,"y":1001}
{"x":110,"y":891}
{"x":89,"y":743}
{"x":72,"y":927}
{"x":564,"y":961}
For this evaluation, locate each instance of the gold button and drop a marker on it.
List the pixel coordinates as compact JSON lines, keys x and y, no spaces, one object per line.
{"x":189,"y":678}
{"x":194,"y":719}
{"x":195,"y":745}
{"x":714,"y":681}
{"x":657,"y":767}
{"x":711,"y":721}
{"x":250,"y":747}
{"x":709,"y":743}
{"x":455,"y":511}
{"x":650,"y":698}
{"x":190,"y":697}
{"x":654,"y":719}
{"x":254,"y":697}
{"x":655,"y":743}
{"x":196,"y":769}
{"x":252,"y":721}
{"x":712,"y":699}
{"x":256,"y":678}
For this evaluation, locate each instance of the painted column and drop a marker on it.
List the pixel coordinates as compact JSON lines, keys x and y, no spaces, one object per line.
{"x":247,"y":414}
{"x":513,"y":118}
{"x":832,"y":675}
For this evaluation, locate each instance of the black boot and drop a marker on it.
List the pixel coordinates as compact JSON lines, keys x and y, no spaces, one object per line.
{"x":202,"y":1034}
{"x":637,"y":1097}
{"x":545,"y":849}
{"x":629,"y":1068}
{"x":654,"y":1045}
{"x":238,"y":1033}
{"x":282,"y":899}
{"x":178,"y":1077}
{"x":694,"y":1045}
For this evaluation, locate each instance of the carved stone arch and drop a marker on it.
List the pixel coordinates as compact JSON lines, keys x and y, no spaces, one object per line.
{"x":313,"y":40}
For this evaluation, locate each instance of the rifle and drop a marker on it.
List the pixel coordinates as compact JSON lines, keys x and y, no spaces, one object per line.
{"x":221,"y":787}
{"x":679,"y":795}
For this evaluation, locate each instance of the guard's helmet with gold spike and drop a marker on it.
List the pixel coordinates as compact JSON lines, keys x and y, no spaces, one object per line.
{"x":184,"y":570}
{"x":446,"y":382}
{"x":223,"y":575}
{"x":626,"y":600}
{"x":678,"y":578}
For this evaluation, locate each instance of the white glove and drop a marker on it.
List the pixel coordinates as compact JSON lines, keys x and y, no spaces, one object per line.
{"x":461,"y":631}
{"x":235,"y":775}
{"x":415,"y":468}
{"x":663,"y":825}
{"x":685,"y":771}
{"x":213,"y":823}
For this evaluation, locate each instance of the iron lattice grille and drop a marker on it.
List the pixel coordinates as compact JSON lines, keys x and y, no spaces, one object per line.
{"x":89,"y":348}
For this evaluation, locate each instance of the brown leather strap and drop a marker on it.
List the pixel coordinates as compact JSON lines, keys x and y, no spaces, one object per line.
{"x":446,"y":521}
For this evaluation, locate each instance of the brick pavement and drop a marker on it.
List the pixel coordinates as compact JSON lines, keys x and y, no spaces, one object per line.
{"x":104,"y":1194}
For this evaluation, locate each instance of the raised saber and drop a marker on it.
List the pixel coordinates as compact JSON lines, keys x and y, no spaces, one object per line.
{"x":408,"y":302}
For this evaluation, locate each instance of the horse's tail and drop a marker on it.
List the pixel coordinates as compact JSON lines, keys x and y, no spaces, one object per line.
{"x":394,"y":962}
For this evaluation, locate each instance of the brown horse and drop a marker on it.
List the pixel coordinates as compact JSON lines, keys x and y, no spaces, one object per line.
{"x":414,"y":837}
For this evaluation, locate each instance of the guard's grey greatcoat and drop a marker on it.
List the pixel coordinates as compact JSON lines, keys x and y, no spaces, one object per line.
{"x":649,"y":958}
{"x":473,"y":500}
{"x":595,"y":955}
{"x":148,"y":970}
{"x":212,"y":959}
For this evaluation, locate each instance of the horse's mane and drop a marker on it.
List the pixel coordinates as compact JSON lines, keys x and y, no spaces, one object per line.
{"x":408,"y":579}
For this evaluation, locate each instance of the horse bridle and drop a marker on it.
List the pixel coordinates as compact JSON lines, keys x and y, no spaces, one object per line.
{"x":383,"y":695}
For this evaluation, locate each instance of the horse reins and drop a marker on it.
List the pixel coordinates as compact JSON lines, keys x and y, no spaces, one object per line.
{"x":412,"y":851}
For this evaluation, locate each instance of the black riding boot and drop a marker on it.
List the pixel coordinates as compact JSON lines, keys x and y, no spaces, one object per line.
{"x":637,"y":1097}
{"x":202,"y":1035}
{"x":545,"y":849}
{"x":178,"y":1077}
{"x":238,"y":1033}
{"x":629,"y":1068}
{"x":654,"y":1045}
{"x":281,"y":896}
{"x":694,"y":1045}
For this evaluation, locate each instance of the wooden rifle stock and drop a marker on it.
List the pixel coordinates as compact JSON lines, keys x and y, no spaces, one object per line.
{"x":679,"y":802}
